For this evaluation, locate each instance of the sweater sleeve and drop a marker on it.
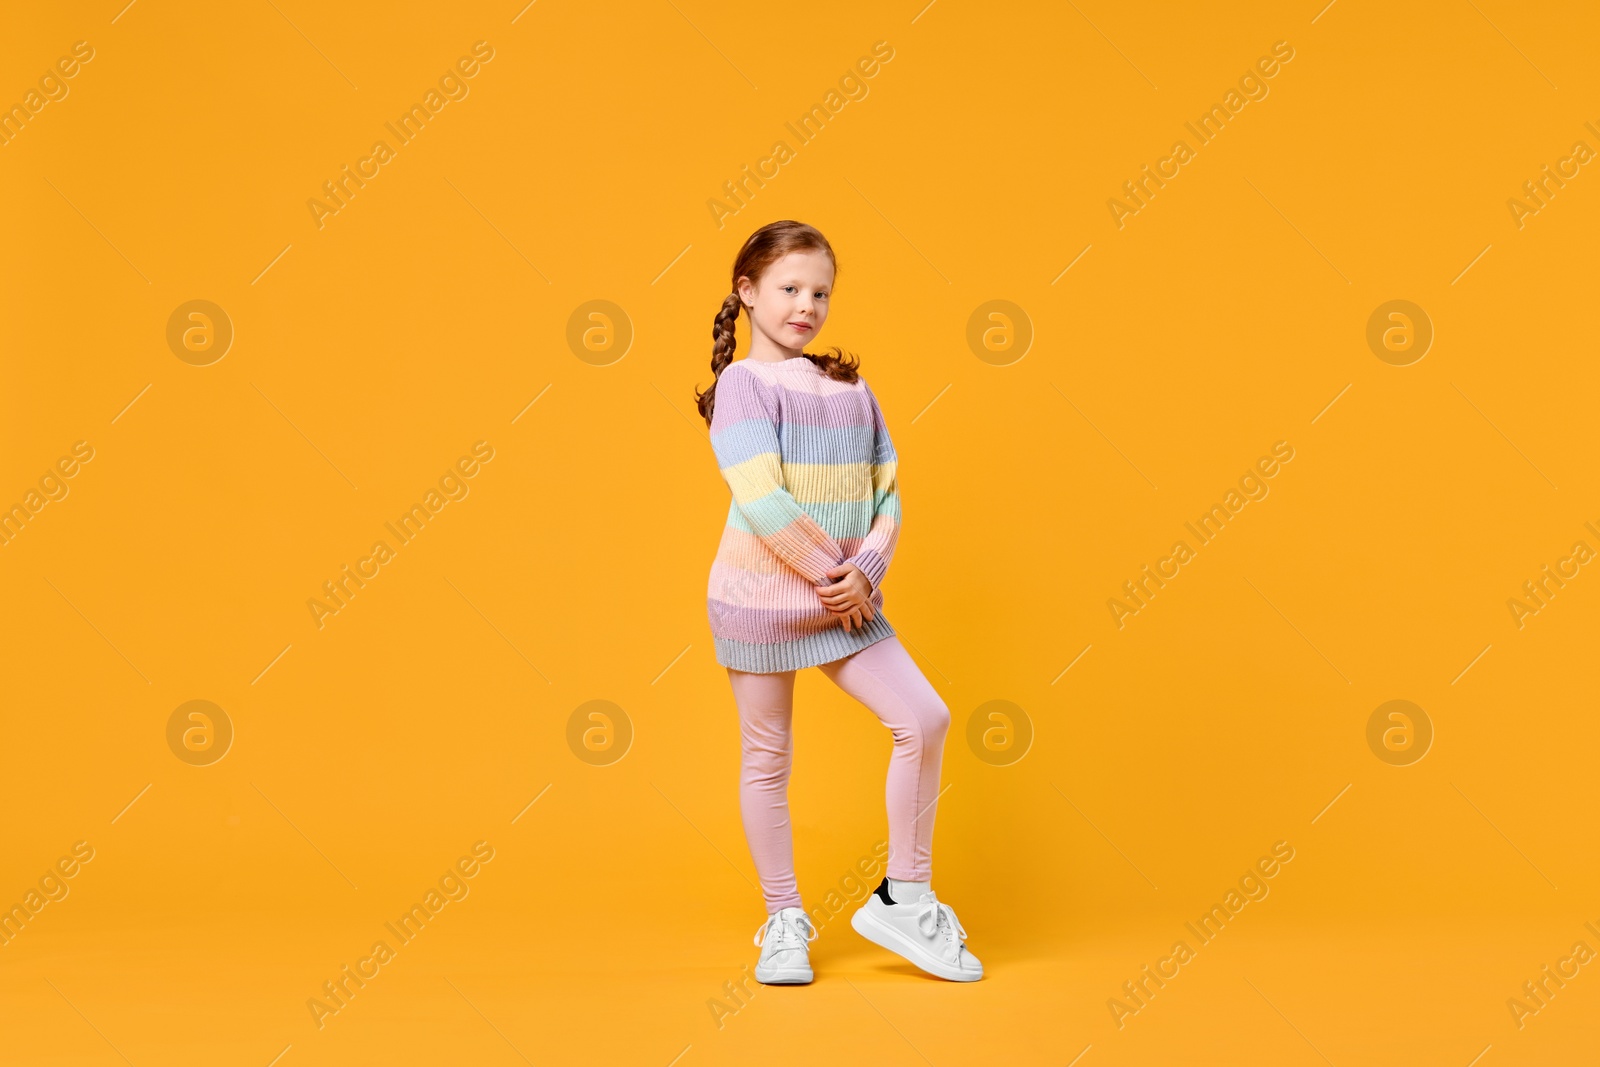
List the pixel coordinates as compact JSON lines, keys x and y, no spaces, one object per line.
{"x":744,"y":436}
{"x":877,"y":547}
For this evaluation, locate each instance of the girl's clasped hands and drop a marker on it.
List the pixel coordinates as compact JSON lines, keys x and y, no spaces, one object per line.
{"x":849,"y":597}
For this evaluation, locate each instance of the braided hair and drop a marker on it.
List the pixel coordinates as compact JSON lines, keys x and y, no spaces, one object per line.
{"x":762,"y":249}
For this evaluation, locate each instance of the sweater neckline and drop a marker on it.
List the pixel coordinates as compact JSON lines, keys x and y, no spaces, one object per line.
{"x":787,"y":361}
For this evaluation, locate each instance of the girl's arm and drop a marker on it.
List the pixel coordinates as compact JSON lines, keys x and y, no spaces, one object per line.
{"x":877,"y":547}
{"x":744,"y":436}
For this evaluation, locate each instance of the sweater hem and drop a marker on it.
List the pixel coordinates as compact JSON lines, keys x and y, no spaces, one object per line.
{"x":825,"y":646}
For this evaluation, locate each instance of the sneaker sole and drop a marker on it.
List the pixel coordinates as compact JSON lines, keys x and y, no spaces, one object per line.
{"x":879,"y":933}
{"x":783,"y":976}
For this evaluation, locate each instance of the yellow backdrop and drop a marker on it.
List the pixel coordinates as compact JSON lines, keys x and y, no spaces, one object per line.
{"x":360,"y":704}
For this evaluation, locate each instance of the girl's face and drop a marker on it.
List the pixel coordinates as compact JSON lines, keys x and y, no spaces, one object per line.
{"x":790,"y":305}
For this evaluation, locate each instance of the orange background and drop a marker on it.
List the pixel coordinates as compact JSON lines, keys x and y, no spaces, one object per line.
{"x":436,"y":308}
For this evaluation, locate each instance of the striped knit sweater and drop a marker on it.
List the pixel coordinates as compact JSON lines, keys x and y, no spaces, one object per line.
{"x":812,"y":473}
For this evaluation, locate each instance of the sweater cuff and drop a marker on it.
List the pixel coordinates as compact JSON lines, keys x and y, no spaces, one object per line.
{"x":871,"y":564}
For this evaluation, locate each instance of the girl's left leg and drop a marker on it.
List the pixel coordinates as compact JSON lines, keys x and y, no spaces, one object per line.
{"x":884,"y":678}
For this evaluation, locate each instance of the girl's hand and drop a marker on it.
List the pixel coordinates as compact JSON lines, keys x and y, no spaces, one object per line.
{"x":849,"y":597}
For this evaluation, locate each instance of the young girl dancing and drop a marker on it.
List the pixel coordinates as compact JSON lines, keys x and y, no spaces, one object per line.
{"x":811,"y":530}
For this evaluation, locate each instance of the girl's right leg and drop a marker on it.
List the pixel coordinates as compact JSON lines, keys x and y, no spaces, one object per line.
{"x":766,"y":714}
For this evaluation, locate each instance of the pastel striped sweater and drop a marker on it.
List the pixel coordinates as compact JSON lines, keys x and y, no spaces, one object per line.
{"x":812,"y":473}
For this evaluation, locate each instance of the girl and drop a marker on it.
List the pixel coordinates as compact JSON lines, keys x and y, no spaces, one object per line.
{"x":811,"y":529}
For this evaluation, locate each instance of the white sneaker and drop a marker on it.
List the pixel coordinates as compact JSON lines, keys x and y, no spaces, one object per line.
{"x":785,"y":948}
{"x":927,"y":933}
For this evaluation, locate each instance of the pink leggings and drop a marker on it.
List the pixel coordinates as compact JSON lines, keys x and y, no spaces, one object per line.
{"x":883,"y":677}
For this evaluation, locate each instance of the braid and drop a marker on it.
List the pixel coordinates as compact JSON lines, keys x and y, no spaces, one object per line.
{"x":723,"y":342}
{"x":840,"y":370}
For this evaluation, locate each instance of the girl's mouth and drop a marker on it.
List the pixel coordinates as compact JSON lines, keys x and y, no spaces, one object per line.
{"x":801,"y":326}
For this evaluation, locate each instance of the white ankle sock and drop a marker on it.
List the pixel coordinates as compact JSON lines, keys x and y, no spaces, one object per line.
{"x":907,"y":892}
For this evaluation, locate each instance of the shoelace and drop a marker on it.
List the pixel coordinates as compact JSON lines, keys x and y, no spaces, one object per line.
{"x":787,"y":930}
{"x":932,"y":916}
